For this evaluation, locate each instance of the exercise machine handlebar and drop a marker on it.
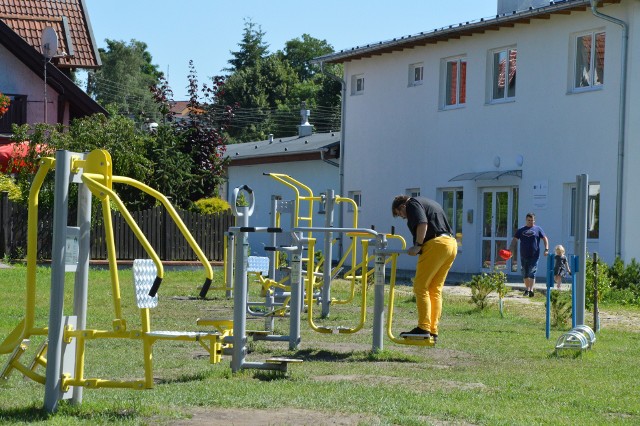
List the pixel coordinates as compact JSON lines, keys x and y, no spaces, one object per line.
{"x":234,"y":201}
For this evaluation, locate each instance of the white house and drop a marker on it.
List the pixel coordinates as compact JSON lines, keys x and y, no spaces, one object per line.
{"x":309,"y":158}
{"x":495,"y":118}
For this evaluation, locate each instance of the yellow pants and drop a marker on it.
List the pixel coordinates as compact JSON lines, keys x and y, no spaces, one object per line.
{"x":433,"y":266}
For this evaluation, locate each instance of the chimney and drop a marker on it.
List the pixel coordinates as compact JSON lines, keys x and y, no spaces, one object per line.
{"x":305,"y":129}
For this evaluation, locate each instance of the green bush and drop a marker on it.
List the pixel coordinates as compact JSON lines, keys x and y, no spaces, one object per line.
{"x":211,"y":206}
{"x":603,"y":282}
{"x":625,"y":282}
{"x":560,"y":307}
{"x":7,"y":184}
{"x":484,"y":284}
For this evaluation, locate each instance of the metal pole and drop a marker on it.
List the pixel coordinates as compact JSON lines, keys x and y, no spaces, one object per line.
{"x":296,"y":297}
{"x":549,"y":288}
{"x":328,"y":255}
{"x":580,"y":221}
{"x":575,"y":267}
{"x":378,"y":303}
{"x":80,"y":291}
{"x":596,"y":310}
{"x":240,"y":294}
{"x":53,"y":389}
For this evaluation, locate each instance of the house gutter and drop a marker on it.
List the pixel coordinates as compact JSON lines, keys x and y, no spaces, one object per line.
{"x":343,"y":117}
{"x":621,"y":120}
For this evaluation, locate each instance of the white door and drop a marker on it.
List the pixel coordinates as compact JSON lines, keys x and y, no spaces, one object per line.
{"x":498,"y":224}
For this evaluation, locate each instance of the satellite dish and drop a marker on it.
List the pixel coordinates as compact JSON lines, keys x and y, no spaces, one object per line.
{"x":49,"y":42}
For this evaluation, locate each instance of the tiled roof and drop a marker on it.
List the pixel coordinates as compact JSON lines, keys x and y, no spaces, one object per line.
{"x":70,"y":20}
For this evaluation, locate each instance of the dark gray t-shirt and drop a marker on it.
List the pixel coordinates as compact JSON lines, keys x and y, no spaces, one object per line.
{"x":423,"y":210}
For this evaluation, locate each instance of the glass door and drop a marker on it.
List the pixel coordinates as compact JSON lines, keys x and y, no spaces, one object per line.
{"x":497,"y":223}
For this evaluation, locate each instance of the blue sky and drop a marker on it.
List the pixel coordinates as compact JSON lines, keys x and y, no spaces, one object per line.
{"x":206,"y":31}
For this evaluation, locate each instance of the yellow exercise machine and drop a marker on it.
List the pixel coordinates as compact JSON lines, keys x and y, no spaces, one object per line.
{"x":67,"y":335}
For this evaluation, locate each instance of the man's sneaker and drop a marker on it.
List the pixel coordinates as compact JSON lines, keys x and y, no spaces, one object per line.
{"x":416,"y":332}
{"x":531,"y":293}
{"x":526,"y":293}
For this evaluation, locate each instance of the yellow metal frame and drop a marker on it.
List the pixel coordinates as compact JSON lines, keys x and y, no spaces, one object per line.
{"x":97,"y":175}
{"x":392,"y":286}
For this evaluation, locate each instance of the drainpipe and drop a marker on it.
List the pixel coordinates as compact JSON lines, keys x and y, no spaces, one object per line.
{"x":621,"y":120}
{"x":343,"y":117}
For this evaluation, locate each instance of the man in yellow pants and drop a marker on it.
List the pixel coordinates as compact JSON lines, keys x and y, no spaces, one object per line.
{"x":433,"y":240}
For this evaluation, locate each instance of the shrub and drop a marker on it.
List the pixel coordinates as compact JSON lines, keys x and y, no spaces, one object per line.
{"x":482,"y":285}
{"x":7,"y":184}
{"x":211,"y":206}
{"x":603,"y":282}
{"x":625,"y":282}
{"x":560,"y":307}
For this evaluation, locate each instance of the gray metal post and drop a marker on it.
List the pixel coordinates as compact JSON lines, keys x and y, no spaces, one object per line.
{"x":269,"y":321}
{"x":580,"y":247}
{"x":231,"y":250}
{"x":328,"y":255}
{"x":82,"y":272}
{"x":240,"y":294}
{"x":53,"y":389}
{"x":273,"y":222}
{"x":295,"y":302}
{"x":378,"y":303}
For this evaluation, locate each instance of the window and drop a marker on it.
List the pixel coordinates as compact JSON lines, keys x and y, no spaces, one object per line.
{"x":503,"y":75}
{"x":452,"y":205}
{"x":413,"y":192}
{"x":17,"y":113}
{"x":593,"y":212}
{"x":416,"y":74}
{"x":357,"y":84}
{"x":589,"y":64}
{"x":455,"y":82}
{"x":357,"y":197}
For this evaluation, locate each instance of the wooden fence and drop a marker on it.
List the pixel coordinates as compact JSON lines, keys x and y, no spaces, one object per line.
{"x":156,"y":224}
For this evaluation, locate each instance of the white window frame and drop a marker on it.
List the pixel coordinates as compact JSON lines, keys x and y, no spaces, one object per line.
{"x":357,"y":84}
{"x":592,"y":62}
{"x":494,"y":71}
{"x":416,"y":74}
{"x":593,"y":210}
{"x":455,"y":222}
{"x":413,"y":192}
{"x":357,"y":197}
{"x":445,"y":82}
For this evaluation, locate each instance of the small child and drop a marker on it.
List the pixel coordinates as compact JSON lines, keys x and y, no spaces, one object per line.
{"x":561,"y":266}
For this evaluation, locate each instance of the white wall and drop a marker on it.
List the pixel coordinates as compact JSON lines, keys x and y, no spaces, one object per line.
{"x":398,"y":138}
{"x":17,"y":78}
{"x":316,"y":174}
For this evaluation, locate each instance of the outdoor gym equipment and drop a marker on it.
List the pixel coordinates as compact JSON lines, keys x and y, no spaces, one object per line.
{"x":67,"y":335}
{"x":381,"y":253}
{"x":240,"y":291}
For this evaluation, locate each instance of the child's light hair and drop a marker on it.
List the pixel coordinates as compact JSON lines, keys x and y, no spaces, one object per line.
{"x":560,"y":249}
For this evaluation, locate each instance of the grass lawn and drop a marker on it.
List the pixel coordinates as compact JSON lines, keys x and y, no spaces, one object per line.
{"x":484,"y":370}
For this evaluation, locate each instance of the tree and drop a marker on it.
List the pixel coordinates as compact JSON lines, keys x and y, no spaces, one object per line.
{"x":270,"y":89}
{"x":259,"y":91}
{"x":299,"y":51}
{"x":200,"y":138}
{"x":252,"y":48}
{"x":124,"y":79}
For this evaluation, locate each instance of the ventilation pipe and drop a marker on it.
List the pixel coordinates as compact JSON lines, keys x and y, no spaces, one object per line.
{"x":621,"y":121}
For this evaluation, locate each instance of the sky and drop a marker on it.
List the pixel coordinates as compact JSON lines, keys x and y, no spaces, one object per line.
{"x":206,"y":31}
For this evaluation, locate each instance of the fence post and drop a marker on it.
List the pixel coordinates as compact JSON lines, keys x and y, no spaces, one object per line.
{"x":596,"y":313}
{"x":4,"y":223}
